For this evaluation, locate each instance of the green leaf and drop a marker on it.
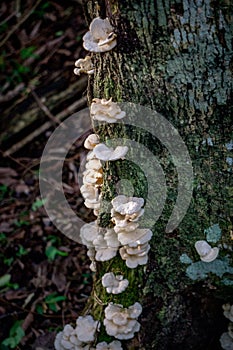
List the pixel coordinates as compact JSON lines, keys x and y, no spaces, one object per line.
{"x":52,"y":251}
{"x":51,"y":299}
{"x":38,"y":204}
{"x":5,"y":279}
{"x":27,"y":52}
{"x":213,"y":233}
{"x":15,"y":336}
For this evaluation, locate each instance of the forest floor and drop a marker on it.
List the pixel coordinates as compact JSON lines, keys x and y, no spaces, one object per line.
{"x":44,"y":277}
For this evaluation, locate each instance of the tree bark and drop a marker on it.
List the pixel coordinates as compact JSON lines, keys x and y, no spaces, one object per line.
{"x":174,"y":56}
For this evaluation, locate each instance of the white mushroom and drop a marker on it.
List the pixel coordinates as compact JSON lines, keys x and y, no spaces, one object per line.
{"x":207,"y":254}
{"x":122,"y":322}
{"x":103,"y":251}
{"x":106,"y":111}
{"x":126,"y":212}
{"x":101,"y":37}
{"x":134,"y":238}
{"x":102,"y":152}
{"x":84,"y":65}
{"x":136,"y":255}
{"x":88,"y":232}
{"x":93,"y":177}
{"x":230,"y":329}
{"x":68,"y":339}
{"x":111,"y":238}
{"x":228,"y":311}
{"x":114,"y":345}
{"x":86,"y":328}
{"x":91,"y":195}
{"x":226,"y":341}
{"x":127,"y":205}
{"x":114,"y":284}
{"x":91,"y":141}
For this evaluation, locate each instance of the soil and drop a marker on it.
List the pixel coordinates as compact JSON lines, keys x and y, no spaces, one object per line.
{"x":45,"y":278}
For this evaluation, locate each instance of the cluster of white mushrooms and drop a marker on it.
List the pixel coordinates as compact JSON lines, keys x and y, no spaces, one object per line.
{"x":226,"y":339}
{"x":104,"y":243}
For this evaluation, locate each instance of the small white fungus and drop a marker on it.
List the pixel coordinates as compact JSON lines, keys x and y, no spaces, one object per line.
{"x":91,"y":141}
{"x":122,"y":322}
{"x":100,"y":37}
{"x":114,"y":345}
{"x":86,"y":328}
{"x":206,"y":252}
{"x":84,"y":65}
{"x":136,"y":255}
{"x":114,"y":284}
{"x":106,"y":111}
{"x":102,"y":152}
{"x":228,"y":311}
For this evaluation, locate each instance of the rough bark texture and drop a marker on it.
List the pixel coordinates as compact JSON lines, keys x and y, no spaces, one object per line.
{"x":176,"y":58}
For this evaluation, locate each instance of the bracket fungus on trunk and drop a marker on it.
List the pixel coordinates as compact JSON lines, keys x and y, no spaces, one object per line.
{"x":91,"y":141}
{"x":84,"y":65}
{"x":122,"y":322}
{"x":102,"y":152}
{"x":106,"y":111}
{"x":100,"y":37}
{"x":79,"y":337}
{"x":114,"y":284}
{"x":114,"y":345}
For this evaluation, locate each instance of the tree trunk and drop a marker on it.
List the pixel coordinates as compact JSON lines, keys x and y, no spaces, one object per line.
{"x":174,"y":56}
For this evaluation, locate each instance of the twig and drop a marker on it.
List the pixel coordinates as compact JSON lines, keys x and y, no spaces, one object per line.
{"x":21,"y":21}
{"x":44,"y":108}
{"x":78,"y":104}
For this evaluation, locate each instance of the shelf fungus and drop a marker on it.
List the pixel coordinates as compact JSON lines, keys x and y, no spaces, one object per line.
{"x":92,"y":182}
{"x":91,"y":196}
{"x":126,"y":212}
{"x":114,"y":284}
{"x":84,"y":65}
{"x":91,"y":141}
{"x":228,"y":311}
{"x":135,"y":255}
{"x":68,"y":339}
{"x":206,"y":252}
{"x":135,"y":238}
{"x":114,"y":345}
{"x":103,"y":241}
{"x":102,"y":152}
{"x":226,"y":341}
{"x":86,"y":328}
{"x":106,"y":111}
{"x":122,"y":322}
{"x":100,"y":37}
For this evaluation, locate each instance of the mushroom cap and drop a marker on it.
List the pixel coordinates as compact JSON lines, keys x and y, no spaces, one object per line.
{"x":91,"y":141}
{"x":207,"y":254}
{"x":111,"y":238}
{"x":114,"y":345}
{"x":88,"y":232}
{"x":226,"y":341}
{"x":102,"y":152}
{"x":135,"y":256}
{"x":114,"y":284}
{"x":127,"y":205}
{"x":100,"y":38}
{"x":100,"y":28}
{"x":106,"y":110}
{"x":135,"y":238}
{"x":86,"y":328}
